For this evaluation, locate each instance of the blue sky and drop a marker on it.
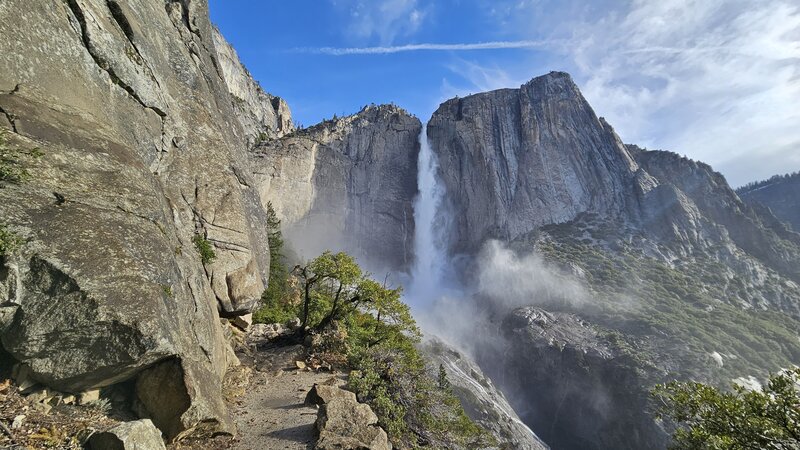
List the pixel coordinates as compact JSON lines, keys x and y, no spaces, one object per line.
{"x":716,"y":80}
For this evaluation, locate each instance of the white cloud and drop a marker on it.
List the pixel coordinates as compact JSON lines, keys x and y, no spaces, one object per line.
{"x":339,"y":51}
{"x":717,"y":80}
{"x":385,"y":20}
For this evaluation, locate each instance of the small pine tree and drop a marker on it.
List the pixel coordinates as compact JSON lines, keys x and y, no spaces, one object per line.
{"x":274,"y":305}
{"x":442,"y":380}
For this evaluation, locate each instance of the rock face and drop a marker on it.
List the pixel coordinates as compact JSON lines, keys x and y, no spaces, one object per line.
{"x":678,"y":275}
{"x":781,"y":194}
{"x":482,"y":401}
{"x":588,"y":393}
{"x":345,"y":424}
{"x":347,"y":184}
{"x":515,"y":159}
{"x":144,"y":145}
{"x":136,"y":435}
{"x":538,"y":156}
{"x":263,"y":116}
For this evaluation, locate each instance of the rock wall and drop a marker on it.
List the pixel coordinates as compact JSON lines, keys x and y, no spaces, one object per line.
{"x":262,"y":115}
{"x":347,"y":184}
{"x":143,"y":150}
{"x":515,"y":159}
{"x":482,"y":401}
{"x":781,"y":194}
{"x":573,"y":386}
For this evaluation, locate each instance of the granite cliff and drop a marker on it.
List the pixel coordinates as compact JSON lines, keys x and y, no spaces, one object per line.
{"x":143,"y":223}
{"x":346,"y":184}
{"x":136,"y":108}
{"x":680,"y":277}
{"x":781,"y":194}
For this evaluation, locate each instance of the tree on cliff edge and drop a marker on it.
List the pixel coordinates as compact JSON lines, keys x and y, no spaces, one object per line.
{"x":708,"y":418}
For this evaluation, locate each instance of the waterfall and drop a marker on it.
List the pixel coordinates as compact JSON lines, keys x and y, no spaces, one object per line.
{"x":427,"y":271}
{"x":439,"y":306}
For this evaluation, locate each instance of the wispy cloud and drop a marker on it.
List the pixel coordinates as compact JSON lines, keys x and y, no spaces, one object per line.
{"x":380,"y":50}
{"x":385,"y":20}
{"x":717,"y":80}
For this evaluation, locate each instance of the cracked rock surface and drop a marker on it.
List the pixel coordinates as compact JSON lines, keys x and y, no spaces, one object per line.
{"x":347,"y":183}
{"x":144,"y":147}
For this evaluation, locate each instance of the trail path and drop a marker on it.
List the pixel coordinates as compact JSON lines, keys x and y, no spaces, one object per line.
{"x":271,"y":414}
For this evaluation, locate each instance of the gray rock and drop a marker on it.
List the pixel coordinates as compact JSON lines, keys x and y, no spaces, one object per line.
{"x":345,"y":424}
{"x":321,"y":394}
{"x":262,"y":115}
{"x":482,"y":401}
{"x":136,"y":435}
{"x":266,"y":331}
{"x":143,"y":149}
{"x":781,"y":194}
{"x":515,"y":159}
{"x":347,"y":184}
{"x":573,"y":386}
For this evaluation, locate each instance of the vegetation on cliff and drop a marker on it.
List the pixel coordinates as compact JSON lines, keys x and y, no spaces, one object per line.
{"x":676,"y":315}
{"x":709,"y":418}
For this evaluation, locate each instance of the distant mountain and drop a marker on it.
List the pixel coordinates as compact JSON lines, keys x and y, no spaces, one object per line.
{"x":780,"y":193}
{"x":682,"y":278}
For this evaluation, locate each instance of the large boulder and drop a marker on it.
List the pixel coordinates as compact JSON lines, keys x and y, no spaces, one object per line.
{"x":345,"y":424}
{"x":322,"y":394}
{"x":136,"y":435}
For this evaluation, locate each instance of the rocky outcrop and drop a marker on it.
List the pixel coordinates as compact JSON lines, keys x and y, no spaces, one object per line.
{"x":781,"y":194}
{"x":515,"y":159}
{"x":573,"y":385}
{"x":345,"y":424}
{"x":144,"y":154}
{"x":482,"y":401}
{"x":347,"y":184}
{"x":136,"y":435}
{"x":263,"y":116}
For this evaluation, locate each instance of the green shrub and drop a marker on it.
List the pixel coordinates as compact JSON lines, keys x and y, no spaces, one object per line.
{"x":9,"y":241}
{"x":205,"y":248}
{"x":708,"y":418}
{"x":11,"y":160}
{"x":275,"y":306}
{"x":387,"y":370}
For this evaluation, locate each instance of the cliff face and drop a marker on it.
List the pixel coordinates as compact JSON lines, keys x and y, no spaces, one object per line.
{"x":347,"y":184}
{"x":143,"y":149}
{"x":262,"y":115}
{"x":482,"y":401}
{"x":781,"y":194}
{"x":597,"y":398}
{"x":682,"y":278}
{"x":516,"y":159}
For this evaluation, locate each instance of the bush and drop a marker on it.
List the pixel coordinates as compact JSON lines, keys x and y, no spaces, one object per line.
{"x":9,"y":241}
{"x":708,"y":418}
{"x":205,"y":248}
{"x":11,"y":159}
{"x":276,"y":307}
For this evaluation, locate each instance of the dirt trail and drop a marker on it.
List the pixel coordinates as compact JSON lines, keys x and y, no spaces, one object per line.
{"x":271,"y":414}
